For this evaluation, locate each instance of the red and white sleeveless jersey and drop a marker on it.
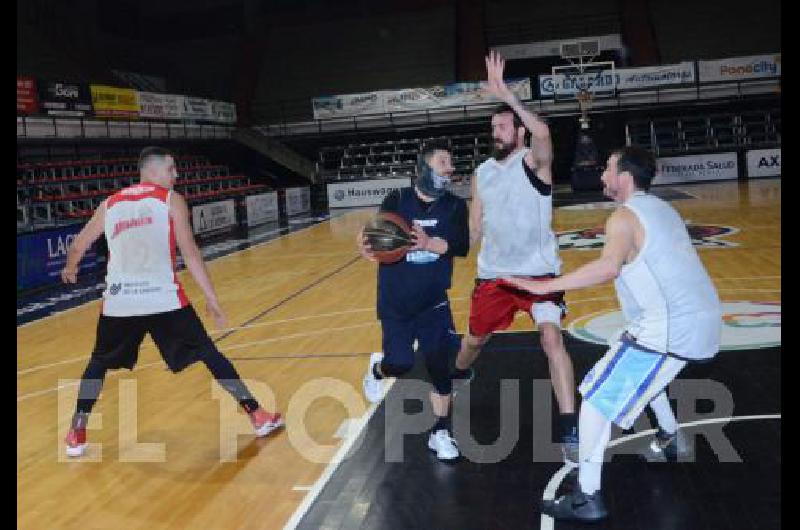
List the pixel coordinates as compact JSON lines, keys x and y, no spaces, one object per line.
{"x":140,"y":277}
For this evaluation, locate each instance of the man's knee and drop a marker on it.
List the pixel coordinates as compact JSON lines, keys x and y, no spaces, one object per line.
{"x":475,"y":342}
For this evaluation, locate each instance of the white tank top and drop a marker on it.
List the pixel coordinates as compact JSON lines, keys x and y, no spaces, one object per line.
{"x":666,"y":295}
{"x":140,"y":277}
{"x":518,"y":238}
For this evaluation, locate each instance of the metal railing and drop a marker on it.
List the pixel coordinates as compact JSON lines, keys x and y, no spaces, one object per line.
{"x":40,"y":127}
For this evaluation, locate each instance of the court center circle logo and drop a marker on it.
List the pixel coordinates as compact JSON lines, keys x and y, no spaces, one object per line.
{"x":745,"y":326}
{"x":703,"y":236}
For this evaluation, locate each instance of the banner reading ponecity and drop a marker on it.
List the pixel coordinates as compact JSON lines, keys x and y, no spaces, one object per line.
{"x":27,"y":102}
{"x":42,"y":255}
{"x":598,"y":82}
{"x":764,"y":162}
{"x":695,"y":168}
{"x":115,"y":102}
{"x":363,"y":193}
{"x":59,"y":98}
{"x":214,"y":216}
{"x":298,"y":200}
{"x":261,"y":208}
{"x":736,"y":68}
{"x":160,"y":106}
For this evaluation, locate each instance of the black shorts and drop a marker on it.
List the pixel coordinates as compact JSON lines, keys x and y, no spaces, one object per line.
{"x":179,"y":336}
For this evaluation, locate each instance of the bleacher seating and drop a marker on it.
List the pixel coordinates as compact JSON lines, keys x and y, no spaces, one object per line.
{"x":397,"y":158}
{"x":52,"y":191}
{"x":711,"y":132}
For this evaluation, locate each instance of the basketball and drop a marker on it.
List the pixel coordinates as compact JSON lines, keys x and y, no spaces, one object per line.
{"x":389,"y":236}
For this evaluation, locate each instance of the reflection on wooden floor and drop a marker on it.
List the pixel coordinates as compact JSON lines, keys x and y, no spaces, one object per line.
{"x":309,"y":304}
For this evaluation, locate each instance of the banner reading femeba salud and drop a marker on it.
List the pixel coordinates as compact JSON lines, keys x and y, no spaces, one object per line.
{"x":696,"y":168}
{"x":738,"y":68}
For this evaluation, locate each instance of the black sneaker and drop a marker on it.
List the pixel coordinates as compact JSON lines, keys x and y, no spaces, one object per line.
{"x":576,"y":506}
{"x":666,"y":447}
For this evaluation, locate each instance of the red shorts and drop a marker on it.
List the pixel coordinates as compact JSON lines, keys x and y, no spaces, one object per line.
{"x":494,"y":305}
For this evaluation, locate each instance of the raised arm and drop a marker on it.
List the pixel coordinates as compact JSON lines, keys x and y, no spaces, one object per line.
{"x":541,"y":156}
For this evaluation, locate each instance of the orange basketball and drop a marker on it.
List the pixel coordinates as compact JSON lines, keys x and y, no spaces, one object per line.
{"x":389,"y":236}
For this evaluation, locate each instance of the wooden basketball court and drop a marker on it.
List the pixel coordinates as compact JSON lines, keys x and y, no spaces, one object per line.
{"x":302,"y":326}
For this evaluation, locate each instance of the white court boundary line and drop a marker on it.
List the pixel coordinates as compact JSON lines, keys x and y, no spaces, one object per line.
{"x":334,"y":464}
{"x":547,"y":522}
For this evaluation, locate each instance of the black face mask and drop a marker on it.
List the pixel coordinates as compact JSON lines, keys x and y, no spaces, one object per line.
{"x":428,"y":181}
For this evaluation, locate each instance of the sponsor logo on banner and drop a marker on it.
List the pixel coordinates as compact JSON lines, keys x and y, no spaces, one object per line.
{"x":223,"y":112}
{"x":736,"y":68}
{"x":703,"y":236}
{"x":114,"y":102}
{"x":606,"y":81}
{"x":745,"y":325}
{"x":196,"y":109}
{"x":160,"y":106}
{"x":27,"y":102}
{"x":694,"y":168}
{"x":348,"y":105}
{"x":298,"y":200}
{"x":42,"y":255}
{"x":363,"y":193}
{"x":261,"y":208}
{"x":213,"y":217}
{"x":414,"y":98}
{"x":65,"y":99}
{"x":764,"y":163}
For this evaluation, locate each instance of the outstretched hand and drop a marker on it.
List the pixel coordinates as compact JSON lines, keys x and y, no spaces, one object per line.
{"x":532,"y":286}
{"x":495,"y":85}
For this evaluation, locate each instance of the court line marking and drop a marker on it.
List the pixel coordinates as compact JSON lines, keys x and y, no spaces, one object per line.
{"x":547,"y":522}
{"x":209,"y":261}
{"x":37,"y":368}
{"x":356,"y":428}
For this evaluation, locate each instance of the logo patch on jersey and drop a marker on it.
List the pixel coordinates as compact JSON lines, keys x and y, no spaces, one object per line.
{"x":703,"y":236}
{"x":114,"y":288}
{"x":745,"y":326}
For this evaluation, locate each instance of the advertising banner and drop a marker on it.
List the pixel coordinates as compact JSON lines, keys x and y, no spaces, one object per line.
{"x":696,"y":168}
{"x":737,"y":68}
{"x":196,"y":109}
{"x":347,"y":105}
{"x":605,"y":81}
{"x":114,"y":102}
{"x":27,"y":102}
{"x":223,"y":112}
{"x":213,"y":217}
{"x":58,"y":98}
{"x":363,"y":193}
{"x":764,"y":163}
{"x":298,"y":200}
{"x":42,"y":255}
{"x":261,"y":208}
{"x":160,"y":106}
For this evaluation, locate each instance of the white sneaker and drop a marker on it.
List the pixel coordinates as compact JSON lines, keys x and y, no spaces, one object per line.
{"x":373,"y":387}
{"x":445,"y":447}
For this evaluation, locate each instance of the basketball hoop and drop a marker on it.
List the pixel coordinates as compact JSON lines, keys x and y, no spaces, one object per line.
{"x":584,"y":98}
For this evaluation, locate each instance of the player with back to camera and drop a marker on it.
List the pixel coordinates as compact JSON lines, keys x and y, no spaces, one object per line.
{"x":142,"y":225}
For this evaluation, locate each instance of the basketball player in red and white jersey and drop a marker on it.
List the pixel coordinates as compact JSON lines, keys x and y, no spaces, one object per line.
{"x":142,"y":225}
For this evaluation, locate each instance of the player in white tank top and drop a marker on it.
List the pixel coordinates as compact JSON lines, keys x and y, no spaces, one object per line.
{"x":143,"y":224}
{"x":672,"y":311}
{"x":511,"y":216}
